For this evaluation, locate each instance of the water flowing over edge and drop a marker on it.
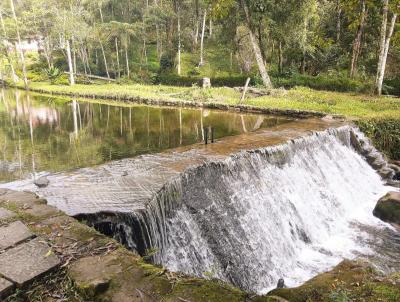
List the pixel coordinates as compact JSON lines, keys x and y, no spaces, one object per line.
{"x":287,"y":211}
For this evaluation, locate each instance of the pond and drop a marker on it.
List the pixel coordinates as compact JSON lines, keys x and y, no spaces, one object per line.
{"x":41,"y":133}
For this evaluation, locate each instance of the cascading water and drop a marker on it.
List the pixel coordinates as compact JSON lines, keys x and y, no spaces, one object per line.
{"x":288,"y":211}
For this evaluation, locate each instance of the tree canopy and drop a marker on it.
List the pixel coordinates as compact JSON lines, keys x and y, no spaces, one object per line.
{"x":137,"y":40}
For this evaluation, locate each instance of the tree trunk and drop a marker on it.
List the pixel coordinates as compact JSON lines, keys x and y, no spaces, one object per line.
{"x":303,"y":64}
{"x":382,"y":42}
{"x":256,"y":49}
{"x":127,"y":62}
{"x":179,"y":43}
{"x":70,"y":67}
{"x":196,"y":35}
{"x":82,"y":57}
{"x":280,"y":54}
{"x":261,"y":43}
{"x":74,"y":60}
{"x":202,"y":38}
{"x":357,"y":40}
{"x":104,"y":58}
{"x":19,"y":42}
{"x":86,"y":53}
{"x":210,"y":27}
{"x":158,"y":42}
{"x":101,"y":14}
{"x":197,"y":21}
{"x":338,"y":20}
{"x":117,"y":52}
{"x":384,"y":53}
{"x":144,"y":43}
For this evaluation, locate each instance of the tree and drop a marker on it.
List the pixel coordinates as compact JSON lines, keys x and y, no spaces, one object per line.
{"x":4,"y":48}
{"x":18,"y":47}
{"x":385,"y":36}
{"x":357,"y":39}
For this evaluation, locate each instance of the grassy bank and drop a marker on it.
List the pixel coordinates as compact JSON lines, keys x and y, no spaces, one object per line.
{"x":379,"y":117}
{"x":351,"y":105}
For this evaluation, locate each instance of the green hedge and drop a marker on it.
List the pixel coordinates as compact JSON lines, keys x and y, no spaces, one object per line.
{"x":385,"y":134}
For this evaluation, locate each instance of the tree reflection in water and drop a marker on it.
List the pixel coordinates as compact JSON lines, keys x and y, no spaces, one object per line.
{"x":40,"y":133}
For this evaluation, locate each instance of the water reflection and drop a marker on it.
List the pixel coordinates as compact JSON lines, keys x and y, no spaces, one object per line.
{"x":39,"y":133}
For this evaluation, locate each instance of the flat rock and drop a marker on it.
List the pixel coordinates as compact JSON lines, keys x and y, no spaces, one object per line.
{"x":6,"y":214}
{"x":13,"y":234}
{"x":27,"y":261}
{"x":6,"y":288}
{"x":93,"y":274}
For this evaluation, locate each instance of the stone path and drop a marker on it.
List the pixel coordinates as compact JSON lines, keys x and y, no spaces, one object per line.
{"x":23,"y":256}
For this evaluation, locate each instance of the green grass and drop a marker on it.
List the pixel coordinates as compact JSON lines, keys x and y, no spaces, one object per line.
{"x":351,"y":105}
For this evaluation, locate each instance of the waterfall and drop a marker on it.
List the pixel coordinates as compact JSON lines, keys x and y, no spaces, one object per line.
{"x":288,"y":211}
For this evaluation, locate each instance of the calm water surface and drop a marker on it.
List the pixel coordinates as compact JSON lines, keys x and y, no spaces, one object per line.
{"x":41,"y":133}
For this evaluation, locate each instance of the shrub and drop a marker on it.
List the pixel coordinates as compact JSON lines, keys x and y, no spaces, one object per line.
{"x":53,"y":73}
{"x":62,"y":80}
{"x":36,"y":76}
{"x":336,"y":82}
{"x":392,"y":86}
{"x":167,"y":61}
{"x":385,"y":134}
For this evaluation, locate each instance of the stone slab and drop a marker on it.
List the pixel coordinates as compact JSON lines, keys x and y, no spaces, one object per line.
{"x":13,"y":234}
{"x":6,"y":288}
{"x":20,"y":199}
{"x":6,"y":214}
{"x":42,"y":210}
{"x":27,"y":261}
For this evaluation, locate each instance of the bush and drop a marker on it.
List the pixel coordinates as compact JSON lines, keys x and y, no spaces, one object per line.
{"x":337,"y":82}
{"x":35,"y":76}
{"x":385,"y":134}
{"x":167,"y":61}
{"x":62,"y":80}
{"x":175,"y":80}
{"x":53,"y":73}
{"x":392,"y":86}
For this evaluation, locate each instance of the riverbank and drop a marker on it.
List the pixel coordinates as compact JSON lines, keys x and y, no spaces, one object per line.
{"x":354,"y":106}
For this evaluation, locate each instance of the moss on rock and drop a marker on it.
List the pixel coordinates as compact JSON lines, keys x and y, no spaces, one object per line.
{"x":388,"y":208}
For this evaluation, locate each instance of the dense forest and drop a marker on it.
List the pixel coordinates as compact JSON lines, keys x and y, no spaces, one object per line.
{"x":346,"y":45}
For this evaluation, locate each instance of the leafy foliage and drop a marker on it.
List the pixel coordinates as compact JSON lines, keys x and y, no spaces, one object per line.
{"x":385,"y":134}
{"x":53,"y":73}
